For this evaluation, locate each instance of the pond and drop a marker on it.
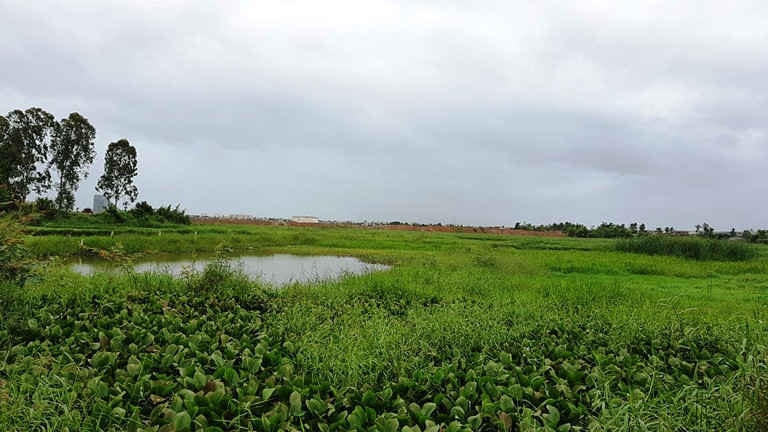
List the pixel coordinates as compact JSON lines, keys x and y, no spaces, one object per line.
{"x":280,"y":269}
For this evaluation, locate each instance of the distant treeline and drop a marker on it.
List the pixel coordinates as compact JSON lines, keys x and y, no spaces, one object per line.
{"x":613,"y":230}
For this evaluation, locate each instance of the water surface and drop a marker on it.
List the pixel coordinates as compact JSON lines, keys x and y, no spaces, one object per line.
{"x":280,"y":269}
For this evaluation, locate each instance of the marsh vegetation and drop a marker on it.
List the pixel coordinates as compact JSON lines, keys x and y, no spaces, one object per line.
{"x":465,"y":332}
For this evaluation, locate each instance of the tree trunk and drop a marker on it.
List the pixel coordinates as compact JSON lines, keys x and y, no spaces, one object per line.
{"x":59,"y":196}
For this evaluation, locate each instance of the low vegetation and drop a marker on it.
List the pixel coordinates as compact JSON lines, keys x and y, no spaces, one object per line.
{"x":42,"y":213}
{"x":466,"y":332}
{"x":689,"y":247}
{"x":15,"y":258}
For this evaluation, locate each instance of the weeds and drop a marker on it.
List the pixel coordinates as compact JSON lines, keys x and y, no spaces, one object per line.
{"x":693,"y":248}
{"x":459,"y":336}
{"x":15,"y":258}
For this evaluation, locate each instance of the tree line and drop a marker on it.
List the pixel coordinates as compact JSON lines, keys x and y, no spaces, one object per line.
{"x":39,"y":154}
{"x":635,"y":229}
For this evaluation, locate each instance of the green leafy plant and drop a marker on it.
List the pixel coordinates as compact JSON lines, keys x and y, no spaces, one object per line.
{"x":15,"y":258}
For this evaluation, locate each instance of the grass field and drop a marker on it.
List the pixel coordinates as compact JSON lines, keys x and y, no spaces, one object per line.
{"x":465,"y":332}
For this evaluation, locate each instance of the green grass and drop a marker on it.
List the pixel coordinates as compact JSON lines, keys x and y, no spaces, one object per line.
{"x":207,"y":238}
{"x":689,"y":247}
{"x":466,"y":332}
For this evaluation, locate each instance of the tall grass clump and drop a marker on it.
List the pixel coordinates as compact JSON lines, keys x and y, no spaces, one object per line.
{"x":688,"y":247}
{"x":15,"y":259}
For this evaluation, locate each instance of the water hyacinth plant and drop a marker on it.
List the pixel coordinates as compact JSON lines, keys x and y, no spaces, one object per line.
{"x":464,"y":333}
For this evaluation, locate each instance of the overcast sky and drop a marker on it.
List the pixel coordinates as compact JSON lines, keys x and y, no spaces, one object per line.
{"x":426,"y":111}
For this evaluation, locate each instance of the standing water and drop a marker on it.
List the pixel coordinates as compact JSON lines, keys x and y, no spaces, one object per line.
{"x":278,"y":269}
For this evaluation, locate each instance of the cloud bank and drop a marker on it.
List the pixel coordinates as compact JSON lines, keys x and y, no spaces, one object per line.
{"x":418,"y":111}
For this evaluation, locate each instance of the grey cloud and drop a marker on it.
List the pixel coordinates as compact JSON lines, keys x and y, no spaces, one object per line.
{"x":422,"y":111}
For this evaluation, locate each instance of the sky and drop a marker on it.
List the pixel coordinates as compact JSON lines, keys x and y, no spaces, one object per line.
{"x":474,"y":113}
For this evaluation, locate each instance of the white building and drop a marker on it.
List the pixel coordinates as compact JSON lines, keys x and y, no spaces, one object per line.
{"x":99,"y":204}
{"x":305,"y":219}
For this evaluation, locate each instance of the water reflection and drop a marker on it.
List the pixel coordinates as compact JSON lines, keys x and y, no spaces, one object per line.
{"x":278,"y":269}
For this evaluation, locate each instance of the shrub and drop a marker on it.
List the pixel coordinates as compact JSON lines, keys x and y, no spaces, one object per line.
{"x":143,"y":210}
{"x":173,"y":215}
{"x":46,"y":207}
{"x":688,"y":247}
{"x":15,"y":259}
{"x":6,"y":201}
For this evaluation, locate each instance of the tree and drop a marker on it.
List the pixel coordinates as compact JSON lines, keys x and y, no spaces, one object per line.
{"x":5,"y":196}
{"x":119,"y":171}
{"x":71,"y":153}
{"x":25,"y":138}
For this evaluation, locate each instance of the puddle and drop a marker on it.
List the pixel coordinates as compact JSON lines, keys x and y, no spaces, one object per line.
{"x":276,"y":270}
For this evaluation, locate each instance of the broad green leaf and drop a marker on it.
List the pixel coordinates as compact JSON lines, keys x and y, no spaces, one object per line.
{"x":475,"y":421}
{"x":295,"y":405}
{"x":182,"y":421}
{"x":316,"y":406}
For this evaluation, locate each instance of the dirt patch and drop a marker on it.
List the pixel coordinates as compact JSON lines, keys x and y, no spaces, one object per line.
{"x":392,"y":227}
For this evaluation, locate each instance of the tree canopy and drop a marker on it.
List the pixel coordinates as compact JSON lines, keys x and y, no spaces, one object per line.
{"x":33,"y":145}
{"x":120,"y":167}
{"x":25,"y":138}
{"x":72,"y":151}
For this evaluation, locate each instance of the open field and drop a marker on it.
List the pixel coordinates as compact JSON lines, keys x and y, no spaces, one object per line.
{"x":466,"y":332}
{"x":399,"y":226}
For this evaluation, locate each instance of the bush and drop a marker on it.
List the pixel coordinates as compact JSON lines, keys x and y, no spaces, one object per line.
{"x":6,"y":201}
{"x":688,"y":247}
{"x":46,"y":207}
{"x":115,"y":215}
{"x":173,"y":215}
{"x":143,"y":215}
{"x":143,"y":210}
{"x":15,"y":259}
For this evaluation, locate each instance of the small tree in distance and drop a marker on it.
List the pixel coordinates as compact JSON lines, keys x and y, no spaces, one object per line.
{"x":120,"y":167}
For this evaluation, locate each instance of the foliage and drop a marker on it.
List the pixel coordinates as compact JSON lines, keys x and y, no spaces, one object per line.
{"x":15,"y":259}
{"x":32,"y":143}
{"x":24,"y":144}
{"x":72,"y":152}
{"x":611,"y":230}
{"x":688,"y":247}
{"x":119,"y":171}
{"x":465,"y":333}
{"x":604,"y":230}
{"x":46,"y":208}
{"x":6,"y":201}
{"x":759,"y":236}
{"x":143,"y":210}
{"x":173,"y":215}
{"x":109,"y":221}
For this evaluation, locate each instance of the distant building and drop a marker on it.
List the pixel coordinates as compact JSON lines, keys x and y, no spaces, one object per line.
{"x":99,"y":204}
{"x":305,"y":219}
